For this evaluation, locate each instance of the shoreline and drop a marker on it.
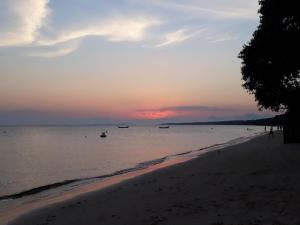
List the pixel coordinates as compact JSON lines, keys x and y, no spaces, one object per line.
{"x":138,"y":166}
{"x":105,"y":181}
{"x":19,"y":190}
{"x":256,"y":182}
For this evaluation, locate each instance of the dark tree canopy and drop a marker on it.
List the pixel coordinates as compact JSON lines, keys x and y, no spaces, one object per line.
{"x":271,"y":60}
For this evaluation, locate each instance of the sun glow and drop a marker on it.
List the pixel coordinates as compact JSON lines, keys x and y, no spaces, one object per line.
{"x":154,"y":115}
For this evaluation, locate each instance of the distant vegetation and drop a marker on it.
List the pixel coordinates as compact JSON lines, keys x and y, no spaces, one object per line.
{"x":274,"y":121}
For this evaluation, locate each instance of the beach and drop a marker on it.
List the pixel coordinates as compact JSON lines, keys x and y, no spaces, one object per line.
{"x":256,"y":182}
{"x":149,"y":112}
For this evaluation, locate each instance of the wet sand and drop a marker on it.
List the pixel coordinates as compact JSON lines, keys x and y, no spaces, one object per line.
{"x":256,"y":182}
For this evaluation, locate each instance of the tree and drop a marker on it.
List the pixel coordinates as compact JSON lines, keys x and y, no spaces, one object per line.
{"x":271,"y":62}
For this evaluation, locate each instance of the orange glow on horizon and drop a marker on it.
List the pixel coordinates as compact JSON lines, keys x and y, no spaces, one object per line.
{"x":153,"y":115}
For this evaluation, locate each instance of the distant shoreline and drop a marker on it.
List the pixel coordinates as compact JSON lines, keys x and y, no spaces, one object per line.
{"x":274,"y":121}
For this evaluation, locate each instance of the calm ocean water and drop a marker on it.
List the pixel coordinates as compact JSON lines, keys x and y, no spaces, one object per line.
{"x":31,"y":157}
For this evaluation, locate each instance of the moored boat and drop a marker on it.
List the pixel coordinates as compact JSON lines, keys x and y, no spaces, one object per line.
{"x":103,"y":135}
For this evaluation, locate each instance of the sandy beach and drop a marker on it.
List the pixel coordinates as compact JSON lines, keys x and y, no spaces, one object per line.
{"x":256,"y":182}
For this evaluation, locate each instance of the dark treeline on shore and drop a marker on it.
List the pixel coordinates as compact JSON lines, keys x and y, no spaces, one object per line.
{"x":274,"y":121}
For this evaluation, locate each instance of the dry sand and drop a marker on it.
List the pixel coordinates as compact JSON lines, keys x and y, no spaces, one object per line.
{"x":257,"y":182}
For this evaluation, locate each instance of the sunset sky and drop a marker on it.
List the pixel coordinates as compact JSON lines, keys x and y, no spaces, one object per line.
{"x":88,"y":61}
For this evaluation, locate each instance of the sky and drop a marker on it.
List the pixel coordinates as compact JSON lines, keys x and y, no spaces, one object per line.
{"x":99,"y":61}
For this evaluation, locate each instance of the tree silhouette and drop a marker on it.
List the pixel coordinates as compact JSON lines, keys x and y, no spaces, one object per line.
{"x":271,"y":62}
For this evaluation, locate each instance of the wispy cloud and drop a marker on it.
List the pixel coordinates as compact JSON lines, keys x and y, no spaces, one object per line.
{"x":59,"y":52}
{"x":178,"y":36}
{"x":116,"y":29}
{"x":21,"y":20}
{"x":23,"y":23}
{"x":193,"y":108}
{"x":222,"y":12}
{"x":202,"y":112}
{"x":176,"y":111}
{"x":221,"y":38}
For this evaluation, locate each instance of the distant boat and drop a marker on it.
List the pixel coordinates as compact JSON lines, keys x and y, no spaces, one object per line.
{"x":103,"y":135}
{"x":164,"y":126}
{"x":123,"y":126}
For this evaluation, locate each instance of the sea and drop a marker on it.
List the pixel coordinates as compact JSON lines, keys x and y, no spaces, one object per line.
{"x":35,"y":159}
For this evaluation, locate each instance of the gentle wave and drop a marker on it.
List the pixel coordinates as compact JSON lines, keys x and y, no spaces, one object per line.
{"x":36,"y":190}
